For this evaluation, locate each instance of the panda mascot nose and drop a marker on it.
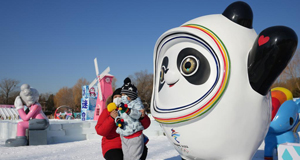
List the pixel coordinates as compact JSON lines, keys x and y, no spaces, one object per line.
{"x":171,"y":77}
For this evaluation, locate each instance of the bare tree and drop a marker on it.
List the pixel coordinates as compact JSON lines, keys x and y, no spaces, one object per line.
{"x":2,"y":98}
{"x":289,"y":78}
{"x":50,"y":103}
{"x":13,"y":96}
{"x":43,"y":98}
{"x":292,"y":71}
{"x":77,"y":92}
{"x":64,"y":97}
{"x":7,"y":86}
{"x":143,"y":82}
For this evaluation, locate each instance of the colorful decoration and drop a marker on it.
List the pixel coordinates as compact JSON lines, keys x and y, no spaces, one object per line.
{"x":284,"y":124}
{"x":88,"y":103}
{"x":288,"y":94}
{"x":279,"y":96}
{"x":104,"y":88}
{"x":93,"y":100}
{"x":288,"y":151}
{"x":175,"y":135}
{"x":214,"y":74}
{"x":63,"y":112}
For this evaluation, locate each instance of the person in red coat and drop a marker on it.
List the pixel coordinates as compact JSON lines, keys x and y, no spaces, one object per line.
{"x":106,"y":127}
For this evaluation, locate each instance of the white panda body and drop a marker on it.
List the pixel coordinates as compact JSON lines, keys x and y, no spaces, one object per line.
{"x":221,"y":116}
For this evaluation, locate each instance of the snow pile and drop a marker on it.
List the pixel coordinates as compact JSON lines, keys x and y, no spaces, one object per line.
{"x":159,"y":148}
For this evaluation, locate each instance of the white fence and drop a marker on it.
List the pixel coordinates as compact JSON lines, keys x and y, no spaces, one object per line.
{"x":9,"y":114}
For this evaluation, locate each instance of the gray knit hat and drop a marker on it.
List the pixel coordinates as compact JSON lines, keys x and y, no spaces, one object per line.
{"x":129,"y":89}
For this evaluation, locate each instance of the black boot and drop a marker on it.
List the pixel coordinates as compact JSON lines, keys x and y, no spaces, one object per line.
{"x":19,"y":141}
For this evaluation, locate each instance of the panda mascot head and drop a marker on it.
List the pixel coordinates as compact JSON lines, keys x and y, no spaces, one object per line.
{"x":211,"y":83}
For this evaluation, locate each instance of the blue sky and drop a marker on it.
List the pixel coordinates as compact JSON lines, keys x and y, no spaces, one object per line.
{"x":50,"y":44}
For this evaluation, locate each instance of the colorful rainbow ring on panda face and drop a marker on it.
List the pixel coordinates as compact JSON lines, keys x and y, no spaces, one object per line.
{"x":206,"y":68}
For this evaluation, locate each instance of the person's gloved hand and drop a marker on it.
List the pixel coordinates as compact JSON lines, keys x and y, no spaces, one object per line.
{"x":18,"y":103}
{"x":111,"y":106}
{"x":124,"y":108}
{"x":120,"y":123}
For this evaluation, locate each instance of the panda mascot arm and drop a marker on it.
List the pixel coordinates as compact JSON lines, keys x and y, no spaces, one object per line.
{"x":270,"y":54}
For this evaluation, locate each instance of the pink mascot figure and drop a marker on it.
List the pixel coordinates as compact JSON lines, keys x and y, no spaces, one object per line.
{"x":35,"y":119}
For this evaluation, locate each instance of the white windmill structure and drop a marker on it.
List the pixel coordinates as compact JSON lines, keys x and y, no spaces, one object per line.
{"x":104,"y":87}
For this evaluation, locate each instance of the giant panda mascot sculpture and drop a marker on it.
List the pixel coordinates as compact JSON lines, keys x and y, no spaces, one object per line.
{"x":211,"y":83}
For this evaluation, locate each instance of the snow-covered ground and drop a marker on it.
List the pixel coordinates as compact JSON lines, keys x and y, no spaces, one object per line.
{"x":159,"y":148}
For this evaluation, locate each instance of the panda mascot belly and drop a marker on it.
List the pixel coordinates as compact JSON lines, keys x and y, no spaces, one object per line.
{"x":211,"y":83}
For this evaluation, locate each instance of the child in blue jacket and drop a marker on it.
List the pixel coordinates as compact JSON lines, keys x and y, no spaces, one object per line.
{"x":129,"y":126}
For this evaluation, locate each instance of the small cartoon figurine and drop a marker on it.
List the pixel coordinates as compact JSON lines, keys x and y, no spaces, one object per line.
{"x":285,"y":121}
{"x":212,"y":78}
{"x":92,"y":92}
{"x":35,"y":119}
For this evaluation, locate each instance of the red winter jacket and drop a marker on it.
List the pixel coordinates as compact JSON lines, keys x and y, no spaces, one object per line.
{"x":106,"y":127}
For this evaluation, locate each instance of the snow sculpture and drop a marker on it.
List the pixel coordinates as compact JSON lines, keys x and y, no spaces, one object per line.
{"x":35,"y":119}
{"x":211,"y":83}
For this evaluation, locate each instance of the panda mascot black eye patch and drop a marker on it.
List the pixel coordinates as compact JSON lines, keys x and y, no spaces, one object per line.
{"x":193,"y":66}
{"x":163,"y":70}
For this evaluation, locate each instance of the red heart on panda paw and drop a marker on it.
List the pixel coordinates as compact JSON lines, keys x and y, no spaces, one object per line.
{"x":262,"y":40}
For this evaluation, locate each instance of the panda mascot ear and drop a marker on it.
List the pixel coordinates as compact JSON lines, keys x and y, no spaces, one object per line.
{"x":240,"y":13}
{"x":271,"y":52}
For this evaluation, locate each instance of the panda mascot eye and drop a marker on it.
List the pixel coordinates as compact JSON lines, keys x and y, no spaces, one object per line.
{"x":193,"y":65}
{"x":162,"y":74}
{"x":189,"y":65}
{"x":163,"y":71}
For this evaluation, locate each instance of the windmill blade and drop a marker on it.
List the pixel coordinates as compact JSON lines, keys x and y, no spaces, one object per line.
{"x":93,"y":83}
{"x":96,"y":66}
{"x":105,"y":72}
